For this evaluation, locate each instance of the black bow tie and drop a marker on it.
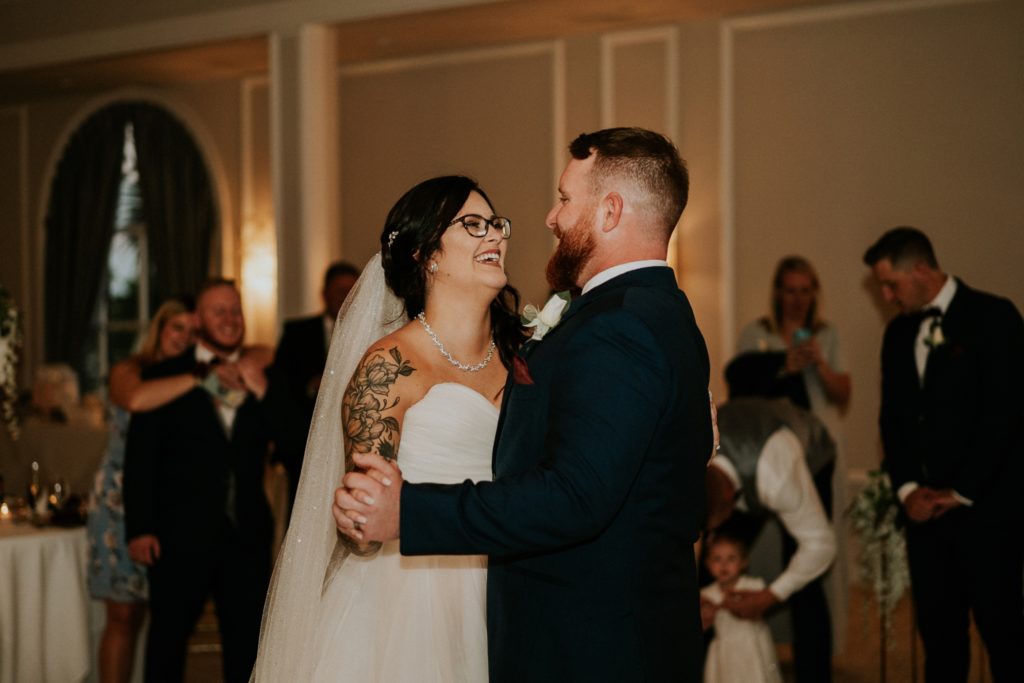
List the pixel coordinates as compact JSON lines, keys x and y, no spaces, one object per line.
{"x":930,"y":312}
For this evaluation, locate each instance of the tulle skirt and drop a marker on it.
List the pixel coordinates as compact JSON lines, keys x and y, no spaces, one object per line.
{"x":389,"y":618}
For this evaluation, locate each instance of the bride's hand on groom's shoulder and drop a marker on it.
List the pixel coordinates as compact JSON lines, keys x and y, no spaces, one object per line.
{"x":366,"y":505}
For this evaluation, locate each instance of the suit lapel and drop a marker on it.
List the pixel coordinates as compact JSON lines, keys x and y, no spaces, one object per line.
{"x":651,"y":276}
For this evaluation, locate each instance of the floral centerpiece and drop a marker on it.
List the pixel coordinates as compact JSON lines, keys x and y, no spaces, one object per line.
{"x":10,"y":345}
{"x":883,"y":549}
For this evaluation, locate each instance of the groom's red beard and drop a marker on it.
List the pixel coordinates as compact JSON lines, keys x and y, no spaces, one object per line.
{"x":575,"y":247}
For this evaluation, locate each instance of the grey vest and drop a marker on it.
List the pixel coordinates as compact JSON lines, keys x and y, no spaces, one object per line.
{"x":746,"y":424}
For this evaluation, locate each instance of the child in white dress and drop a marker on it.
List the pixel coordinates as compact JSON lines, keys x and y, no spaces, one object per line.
{"x":742,"y":650}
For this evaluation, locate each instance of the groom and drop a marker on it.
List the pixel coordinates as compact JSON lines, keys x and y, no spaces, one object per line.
{"x":951,"y":423}
{"x":599,"y":460}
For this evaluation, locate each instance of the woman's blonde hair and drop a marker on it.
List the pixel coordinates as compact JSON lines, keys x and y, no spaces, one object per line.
{"x":149,"y":352}
{"x":795,"y":264}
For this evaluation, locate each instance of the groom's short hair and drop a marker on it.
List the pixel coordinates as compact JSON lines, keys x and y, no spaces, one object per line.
{"x":903,"y":246}
{"x":647,"y":159}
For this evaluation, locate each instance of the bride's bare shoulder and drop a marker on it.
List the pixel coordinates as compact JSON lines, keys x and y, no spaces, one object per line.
{"x":400,"y":338}
{"x":393,"y":364}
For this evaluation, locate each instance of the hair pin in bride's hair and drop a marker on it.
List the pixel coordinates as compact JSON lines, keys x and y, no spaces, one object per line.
{"x":391,"y":237}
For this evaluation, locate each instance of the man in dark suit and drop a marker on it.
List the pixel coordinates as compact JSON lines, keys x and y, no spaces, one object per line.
{"x":195,"y":510}
{"x":603,"y":437}
{"x":951,"y":421}
{"x":299,"y":365}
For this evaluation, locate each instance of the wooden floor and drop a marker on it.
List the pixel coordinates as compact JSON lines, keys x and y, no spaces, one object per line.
{"x":860,"y":661}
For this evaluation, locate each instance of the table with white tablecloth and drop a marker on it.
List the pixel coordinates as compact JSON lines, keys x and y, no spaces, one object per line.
{"x":44,"y":605}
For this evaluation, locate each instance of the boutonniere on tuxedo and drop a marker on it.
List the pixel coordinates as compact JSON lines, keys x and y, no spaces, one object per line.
{"x":544,"y":320}
{"x":934,"y":339}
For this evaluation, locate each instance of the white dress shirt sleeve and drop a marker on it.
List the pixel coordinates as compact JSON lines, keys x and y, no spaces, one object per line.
{"x":784,"y":486}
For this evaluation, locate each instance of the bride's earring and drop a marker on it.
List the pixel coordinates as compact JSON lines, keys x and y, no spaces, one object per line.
{"x":432,"y":267}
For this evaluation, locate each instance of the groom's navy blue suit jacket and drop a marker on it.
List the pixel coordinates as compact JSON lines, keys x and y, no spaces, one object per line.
{"x":597,"y":498}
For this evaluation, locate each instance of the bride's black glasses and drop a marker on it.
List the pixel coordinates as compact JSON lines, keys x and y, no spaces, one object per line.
{"x":477,"y":226}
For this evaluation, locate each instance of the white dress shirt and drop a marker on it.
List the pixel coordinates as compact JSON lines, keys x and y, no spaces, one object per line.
{"x":621,"y":269}
{"x":785,"y":487}
{"x":226,"y":412}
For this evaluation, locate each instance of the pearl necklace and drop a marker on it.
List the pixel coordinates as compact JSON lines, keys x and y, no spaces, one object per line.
{"x":440,"y":347}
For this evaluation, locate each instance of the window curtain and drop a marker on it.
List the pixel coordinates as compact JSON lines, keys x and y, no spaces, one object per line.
{"x":178,"y":207}
{"x":178,"y":204}
{"x":79,"y":225}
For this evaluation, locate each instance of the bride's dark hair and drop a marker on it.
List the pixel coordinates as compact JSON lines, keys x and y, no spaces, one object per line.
{"x":412,"y":234}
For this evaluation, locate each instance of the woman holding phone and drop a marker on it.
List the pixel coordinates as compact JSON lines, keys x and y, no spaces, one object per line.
{"x":795,"y":327}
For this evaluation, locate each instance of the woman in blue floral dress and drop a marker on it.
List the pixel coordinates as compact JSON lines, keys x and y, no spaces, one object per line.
{"x":113,"y":576}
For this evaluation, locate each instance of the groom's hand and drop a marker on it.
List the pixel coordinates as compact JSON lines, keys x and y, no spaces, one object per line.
{"x":749,"y":604}
{"x":366,"y":508}
{"x":920,"y":503}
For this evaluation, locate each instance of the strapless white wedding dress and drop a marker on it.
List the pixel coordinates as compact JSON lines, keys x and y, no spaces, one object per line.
{"x":392,"y":619}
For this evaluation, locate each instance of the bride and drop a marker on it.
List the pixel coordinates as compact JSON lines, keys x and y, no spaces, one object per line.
{"x":426,"y":391}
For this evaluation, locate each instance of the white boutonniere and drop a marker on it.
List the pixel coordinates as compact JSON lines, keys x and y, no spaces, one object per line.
{"x":544,"y":320}
{"x":935,"y":338}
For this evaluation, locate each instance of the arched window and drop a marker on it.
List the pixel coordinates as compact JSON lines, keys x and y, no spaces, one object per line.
{"x":123,"y":305}
{"x":101,"y":218}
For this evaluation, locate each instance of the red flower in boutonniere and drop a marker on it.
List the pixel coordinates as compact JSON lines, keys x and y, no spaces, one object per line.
{"x":521,"y":371}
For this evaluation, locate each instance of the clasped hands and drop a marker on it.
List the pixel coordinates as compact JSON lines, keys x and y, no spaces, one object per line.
{"x":742,"y":604}
{"x":366,"y":506}
{"x":924,"y":503}
{"x":244,"y":374}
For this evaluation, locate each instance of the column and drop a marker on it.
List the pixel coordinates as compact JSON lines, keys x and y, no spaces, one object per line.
{"x":305,"y":157}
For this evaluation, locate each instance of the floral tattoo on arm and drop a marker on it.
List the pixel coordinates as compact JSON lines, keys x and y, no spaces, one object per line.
{"x":366,"y":400}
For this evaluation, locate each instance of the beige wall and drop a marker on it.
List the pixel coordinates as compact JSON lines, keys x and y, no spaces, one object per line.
{"x":700,"y":251}
{"x":804,"y":131}
{"x":489,"y":115}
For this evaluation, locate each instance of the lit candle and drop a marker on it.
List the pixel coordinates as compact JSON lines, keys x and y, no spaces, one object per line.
{"x":5,"y":512}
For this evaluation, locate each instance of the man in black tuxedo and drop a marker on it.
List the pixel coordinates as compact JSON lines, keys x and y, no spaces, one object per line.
{"x":299,"y":365}
{"x":195,"y":510}
{"x":604,"y":433}
{"x":951,"y":421}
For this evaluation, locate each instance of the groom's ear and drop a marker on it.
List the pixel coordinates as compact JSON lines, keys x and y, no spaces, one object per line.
{"x":610,"y":211}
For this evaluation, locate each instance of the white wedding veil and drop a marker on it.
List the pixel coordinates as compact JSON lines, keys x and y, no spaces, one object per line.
{"x":370,"y":312}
